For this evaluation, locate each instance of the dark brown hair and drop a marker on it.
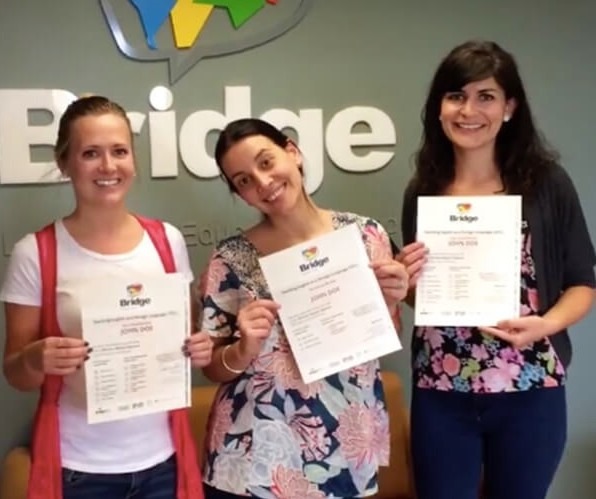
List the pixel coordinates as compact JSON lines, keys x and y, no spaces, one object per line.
{"x":521,"y":153}
{"x":238,"y":130}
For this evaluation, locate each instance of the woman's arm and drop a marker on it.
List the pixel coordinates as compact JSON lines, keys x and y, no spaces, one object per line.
{"x":573,"y":305}
{"x":27,"y":358}
{"x":413,"y":254}
{"x":217,"y":313}
{"x":254,"y":321}
{"x":226,"y":366}
{"x":22,"y":332}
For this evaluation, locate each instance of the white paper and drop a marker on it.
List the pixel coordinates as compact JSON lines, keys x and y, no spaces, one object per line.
{"x":136,"y":329}
{"x":472,"y":276}
{"x":332,"y":308}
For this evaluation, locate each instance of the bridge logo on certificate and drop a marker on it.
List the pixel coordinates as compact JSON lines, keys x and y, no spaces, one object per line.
{"x":310,"y":253}
{"x":312,"y":262}
{"x":463,"y":213}
{"x":134,"y":292}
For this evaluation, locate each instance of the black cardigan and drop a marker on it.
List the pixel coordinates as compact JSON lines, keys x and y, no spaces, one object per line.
{"x":561,"y":247}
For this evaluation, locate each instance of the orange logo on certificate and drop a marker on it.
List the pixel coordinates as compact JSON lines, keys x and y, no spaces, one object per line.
{"x":464,"y":207}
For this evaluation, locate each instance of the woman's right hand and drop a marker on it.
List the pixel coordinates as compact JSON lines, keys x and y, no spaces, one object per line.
{"x":57,"y":355}
{"x":255,"y":321}
{"x":413,"y":257}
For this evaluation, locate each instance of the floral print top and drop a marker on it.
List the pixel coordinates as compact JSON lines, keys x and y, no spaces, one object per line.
{"x":269,"y":434}
{"x":465,"y":360}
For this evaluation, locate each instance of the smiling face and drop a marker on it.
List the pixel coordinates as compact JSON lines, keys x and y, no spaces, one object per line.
{"x":472,"y":117}
{"x":99,"y":159}
{"x":265,"y":175}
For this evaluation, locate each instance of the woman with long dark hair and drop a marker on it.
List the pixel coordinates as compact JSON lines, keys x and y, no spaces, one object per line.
{"x":491,"y":401}
{"x":269,"y":433}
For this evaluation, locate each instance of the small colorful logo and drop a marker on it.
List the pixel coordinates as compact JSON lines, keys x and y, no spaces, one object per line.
{"x":134,"y":290}
{"x":188,"y":20}
{"x":313,"y":259}
{"x":463,"y":213}
{"x":310,"y":253}
{"x":464,"y":207}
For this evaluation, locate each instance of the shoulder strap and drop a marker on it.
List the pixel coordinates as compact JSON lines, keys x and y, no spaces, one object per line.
{"x":157,"y":234}
{"x":46,"y":247}
{"x":45,"y":477}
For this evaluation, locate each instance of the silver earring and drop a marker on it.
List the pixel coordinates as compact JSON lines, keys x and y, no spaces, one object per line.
{"x":506,"y":118}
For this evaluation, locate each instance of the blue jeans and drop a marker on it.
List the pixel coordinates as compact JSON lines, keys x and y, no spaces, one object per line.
{"x":157,"y":482}
{"x":513,"y":441}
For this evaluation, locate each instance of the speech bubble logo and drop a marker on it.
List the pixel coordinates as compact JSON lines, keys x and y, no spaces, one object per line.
{"x":188,"y":19}
{"x":310,"y":253}
{"x":134,"y":289}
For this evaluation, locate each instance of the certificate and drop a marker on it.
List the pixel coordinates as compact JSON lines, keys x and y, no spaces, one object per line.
{"x":472,"y":276}
{"x":332,"y":308}
{"x":137,"y":329}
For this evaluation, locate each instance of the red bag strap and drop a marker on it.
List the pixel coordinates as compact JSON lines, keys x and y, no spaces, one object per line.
{"x":157,"y":234}
{"x":45,"y":478}
{"x":46,"y":247}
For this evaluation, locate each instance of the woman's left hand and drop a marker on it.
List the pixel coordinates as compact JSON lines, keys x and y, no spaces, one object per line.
{"x":393,"y":279}
{"x":199,"y":347}
{"x":522,"y":331}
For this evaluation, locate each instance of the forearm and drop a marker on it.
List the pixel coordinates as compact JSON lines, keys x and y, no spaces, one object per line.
{"x":572,"y":306}
{"x":395,"y":314}
{"x":235,"y":360}
{"x":20,"y":375}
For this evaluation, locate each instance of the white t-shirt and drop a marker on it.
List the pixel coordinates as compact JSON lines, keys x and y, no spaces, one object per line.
{"x":114,"y":447}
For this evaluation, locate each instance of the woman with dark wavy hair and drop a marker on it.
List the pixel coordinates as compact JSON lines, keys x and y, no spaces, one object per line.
{"x":491,"y":401}
{"x":270,"y":434}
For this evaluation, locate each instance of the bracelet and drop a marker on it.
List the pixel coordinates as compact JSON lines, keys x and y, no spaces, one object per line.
{"x":225,"y":364}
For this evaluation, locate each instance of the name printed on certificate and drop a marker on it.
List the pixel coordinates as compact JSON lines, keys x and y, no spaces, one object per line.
{"x":137,"y":329}
{"x":473,"y":273}
{"x":332,"y":308}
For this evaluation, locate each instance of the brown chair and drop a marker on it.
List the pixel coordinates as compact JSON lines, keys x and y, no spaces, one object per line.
{"x":395,"y":482}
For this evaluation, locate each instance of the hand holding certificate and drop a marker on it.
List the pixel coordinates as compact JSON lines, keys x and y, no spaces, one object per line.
{"x":137,"y":330}
{"x":472,"y":276}
{"x":332,"y":309}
